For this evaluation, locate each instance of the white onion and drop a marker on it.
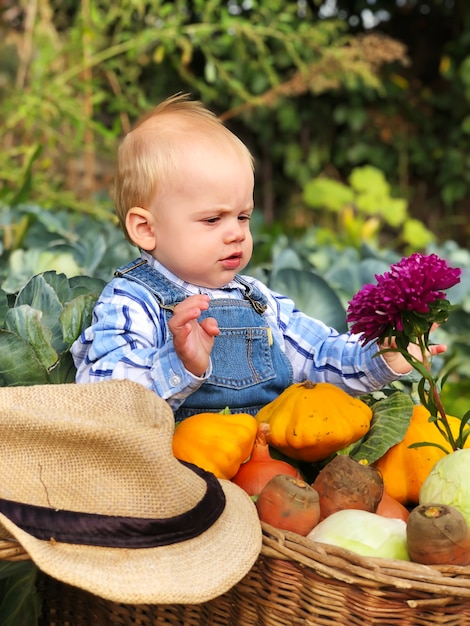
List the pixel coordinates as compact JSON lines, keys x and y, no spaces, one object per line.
{"x":363,"y":532}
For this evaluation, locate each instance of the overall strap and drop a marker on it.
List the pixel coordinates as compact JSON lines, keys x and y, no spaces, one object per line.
{"x":253,"y":295}
{"x":167,"y":293}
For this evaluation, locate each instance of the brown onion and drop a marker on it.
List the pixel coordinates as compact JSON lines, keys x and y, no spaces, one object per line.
{"x":255,"y":473}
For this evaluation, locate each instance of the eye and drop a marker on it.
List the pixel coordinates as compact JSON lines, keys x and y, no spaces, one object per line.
{"x":244,"y":218}
{"x":211,"y":220}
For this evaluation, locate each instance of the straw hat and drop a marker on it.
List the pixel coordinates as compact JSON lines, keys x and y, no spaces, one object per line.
{"x":91,"y":490}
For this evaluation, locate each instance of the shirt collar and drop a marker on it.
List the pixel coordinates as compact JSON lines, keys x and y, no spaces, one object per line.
{"x":189,"y":288}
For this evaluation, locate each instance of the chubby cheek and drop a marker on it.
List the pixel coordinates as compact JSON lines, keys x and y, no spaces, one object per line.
{"x":198,"y":255}
{"x":248,"y":245}
{"x":193,"y":257}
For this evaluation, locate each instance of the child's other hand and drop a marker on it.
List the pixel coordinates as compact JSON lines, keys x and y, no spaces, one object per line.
{"x":193,"y":340}
{"x":399,"y":364}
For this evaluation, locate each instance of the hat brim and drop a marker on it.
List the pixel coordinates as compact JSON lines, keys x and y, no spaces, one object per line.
{"x":189,"y":572}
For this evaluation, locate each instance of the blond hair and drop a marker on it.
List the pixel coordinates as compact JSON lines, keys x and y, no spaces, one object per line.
{"x":148,"y":156}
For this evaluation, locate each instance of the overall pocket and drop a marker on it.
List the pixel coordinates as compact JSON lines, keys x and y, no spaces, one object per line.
{"x":241,"y":358}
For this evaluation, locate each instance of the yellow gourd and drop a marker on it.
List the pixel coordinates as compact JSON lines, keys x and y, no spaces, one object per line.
{"x":216,"y":442}
{"x":310,"y":421}
{"x":405,"y":469}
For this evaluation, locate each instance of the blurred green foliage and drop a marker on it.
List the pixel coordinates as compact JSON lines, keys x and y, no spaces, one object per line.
{"x":20,"y":603}
{"x":315,"y":97}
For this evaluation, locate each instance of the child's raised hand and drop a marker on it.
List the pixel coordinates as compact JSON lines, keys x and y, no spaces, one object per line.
{"x":399,"y":364}
{"x":193,"y":340}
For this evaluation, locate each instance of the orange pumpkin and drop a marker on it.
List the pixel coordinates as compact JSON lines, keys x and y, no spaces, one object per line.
{"x":405,"y":469}
{"x":310,"y":421}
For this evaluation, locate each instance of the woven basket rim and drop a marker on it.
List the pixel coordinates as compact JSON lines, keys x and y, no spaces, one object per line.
{"x":339,"y":564}
{"x":12,"y":550}
{"x":373,"y":572}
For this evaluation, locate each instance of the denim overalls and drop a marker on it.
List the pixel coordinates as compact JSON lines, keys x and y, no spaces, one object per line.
{"x":248,"y":367}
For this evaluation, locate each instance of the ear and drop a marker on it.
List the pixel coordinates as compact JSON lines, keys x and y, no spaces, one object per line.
{"x":140,"y":226}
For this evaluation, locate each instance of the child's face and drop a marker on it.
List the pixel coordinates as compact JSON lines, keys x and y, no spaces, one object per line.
{"x":202,"y":220}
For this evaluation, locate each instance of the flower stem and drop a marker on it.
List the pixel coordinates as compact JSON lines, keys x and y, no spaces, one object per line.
{"x":432,"y":399}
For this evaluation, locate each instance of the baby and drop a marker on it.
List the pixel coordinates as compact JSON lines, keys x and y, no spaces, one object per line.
{"x":182,"y":319}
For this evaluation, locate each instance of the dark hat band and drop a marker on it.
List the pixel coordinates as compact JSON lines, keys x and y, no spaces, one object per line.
{"x":117,"y":531}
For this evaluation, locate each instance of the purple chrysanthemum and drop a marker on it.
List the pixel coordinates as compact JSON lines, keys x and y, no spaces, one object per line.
{"x":409,"y":295}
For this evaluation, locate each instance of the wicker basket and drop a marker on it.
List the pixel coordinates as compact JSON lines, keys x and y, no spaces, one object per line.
{"x":293,"y":582}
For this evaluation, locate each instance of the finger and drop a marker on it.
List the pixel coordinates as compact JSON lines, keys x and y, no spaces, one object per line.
{"x":437,"y":349}
{"x":199,"y":301}
{"x":188,"y":310}
{"x":184,"y":315}
{"x":180,"y":334}
{"x":210,"y":326}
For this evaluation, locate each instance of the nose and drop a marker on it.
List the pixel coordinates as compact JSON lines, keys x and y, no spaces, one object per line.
{"x":235,"y":231}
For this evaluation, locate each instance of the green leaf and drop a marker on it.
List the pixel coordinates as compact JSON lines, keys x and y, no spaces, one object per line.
{"x":431,"y":444}
{"x":466,"y":125}
{"x":349,"y":275}
{"x":80,"y":285}
{"x":325,"y":193}
{"x":64,"y":371}
{"x":390,"y":421}
{"x":25,"y":264}
{"x":20,"y":602}
{"x":3,"y":306}
{"x":369,"y":180}
{"x":286,"y":259}
{"x":312,"y":295}
{"x":76,"y":316}
{"x":19,"y":364}
{"x":23,"y":192}
{"x":417,"y":234}
{"x":210,"y":72}
{"x":27,"y":323}
{"x":394,"y":211}
{"x":41,"y":295}
{"x":59,"y":283}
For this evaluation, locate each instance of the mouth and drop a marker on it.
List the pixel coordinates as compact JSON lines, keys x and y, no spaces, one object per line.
{"x":235,"y":255}
{"x":232,"y":261}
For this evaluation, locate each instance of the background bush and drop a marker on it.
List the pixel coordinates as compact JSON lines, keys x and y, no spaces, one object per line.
{"x":317,"y":89}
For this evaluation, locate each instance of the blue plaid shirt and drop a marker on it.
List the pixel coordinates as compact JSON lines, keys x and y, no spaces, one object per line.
{"x":127,"y":340}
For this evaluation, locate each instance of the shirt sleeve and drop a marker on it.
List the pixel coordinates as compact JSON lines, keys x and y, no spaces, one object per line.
{"x":319,"y":353}
{"x":127,"y":340}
